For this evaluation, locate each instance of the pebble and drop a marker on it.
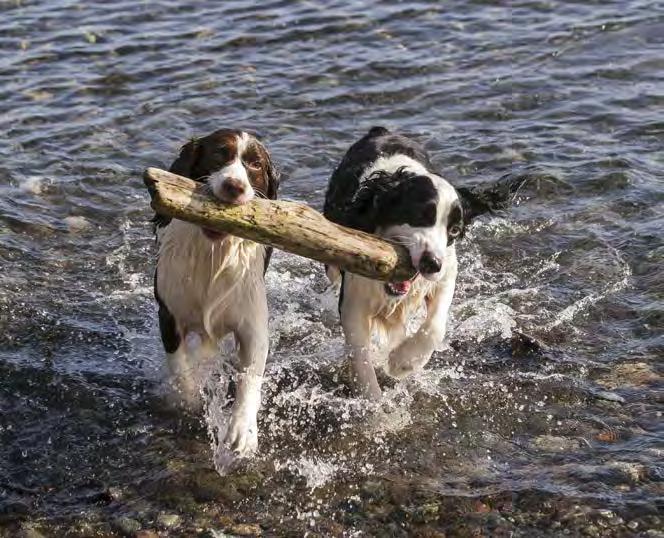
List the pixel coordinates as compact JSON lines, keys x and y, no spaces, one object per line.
{"x":616,"y":521}
{"x":427,"y":513}
{"x":27,"y":531}
{"x":212,"y":533}
{"x":82,"y":529}
{"x":168,"y":520}
{"x":632,"y":472}
{"x":609,"y":396}
{"x":652,"y":533}
{"x":552,"y":443}
{"x":634,"y":374}
{"x":146,"y":533}
{"x":76,"y":224}
{"x":37,"y":95}
{"x":208,"y":486}
{"x":127,"y":525}
{"x":372,"y":488}
{"x":479,"y":506}
{"x":633,"y":525}
{"x":592,"y":530}
{"x":246,"y":529}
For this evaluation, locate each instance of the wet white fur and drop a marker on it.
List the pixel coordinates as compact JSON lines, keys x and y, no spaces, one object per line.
{"x":233,"y":170}
{"x":213,"y":288}
{"x":367,"y":309}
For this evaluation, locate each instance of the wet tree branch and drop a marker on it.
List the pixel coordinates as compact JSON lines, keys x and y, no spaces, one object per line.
{"x":290,"y":226}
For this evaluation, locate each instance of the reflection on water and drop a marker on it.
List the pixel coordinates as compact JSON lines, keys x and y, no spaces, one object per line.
{"x":543,"y":413}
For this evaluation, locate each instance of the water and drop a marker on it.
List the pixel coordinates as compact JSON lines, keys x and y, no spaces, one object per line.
{"x":543,"y":413}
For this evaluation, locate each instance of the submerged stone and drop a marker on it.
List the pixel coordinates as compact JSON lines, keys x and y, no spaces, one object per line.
{"x":168,"y":520}
{"x":126,"y":525}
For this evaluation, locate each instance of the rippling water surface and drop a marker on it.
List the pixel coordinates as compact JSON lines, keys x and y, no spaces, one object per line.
{"x":543,"y":414}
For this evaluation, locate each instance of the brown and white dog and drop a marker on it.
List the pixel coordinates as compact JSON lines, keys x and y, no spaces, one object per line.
{"x":209,"y":284}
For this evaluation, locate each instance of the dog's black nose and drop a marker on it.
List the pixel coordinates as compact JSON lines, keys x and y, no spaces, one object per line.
{"x":429,"y":263}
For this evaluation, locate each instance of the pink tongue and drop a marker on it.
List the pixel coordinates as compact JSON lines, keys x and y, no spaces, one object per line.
{"x":401,"y":287}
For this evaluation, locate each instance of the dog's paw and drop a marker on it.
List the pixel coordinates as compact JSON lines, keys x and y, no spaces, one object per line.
{"x":385,"y":380}
{"x":398,"y":366}
{"x":405,"y":359}
{"x":242,"y":434}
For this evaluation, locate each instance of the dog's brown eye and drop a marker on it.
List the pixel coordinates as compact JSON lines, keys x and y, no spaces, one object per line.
{"x":454,"y":230}
{"x":253,"y":164}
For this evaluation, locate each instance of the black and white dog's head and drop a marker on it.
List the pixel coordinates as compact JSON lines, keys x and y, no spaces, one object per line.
{"x":386,"y":185}
{"x":413,"y":207}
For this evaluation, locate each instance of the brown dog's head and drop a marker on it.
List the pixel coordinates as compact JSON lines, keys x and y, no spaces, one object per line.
{"x":233,"y":163}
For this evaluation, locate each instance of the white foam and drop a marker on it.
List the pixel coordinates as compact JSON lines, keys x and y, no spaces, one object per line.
{"x":316,"y":471}
{"x":33,"y":184}
{"x":492,"y":318}
{"x":307,"y":345}
{"x":623,"y":273}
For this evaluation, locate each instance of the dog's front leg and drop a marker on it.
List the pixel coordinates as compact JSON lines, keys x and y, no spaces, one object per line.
{"x":414,"y":352}
{"x":252,"y":336}
{"x":187,"y":366}
{"x":357,"y":329}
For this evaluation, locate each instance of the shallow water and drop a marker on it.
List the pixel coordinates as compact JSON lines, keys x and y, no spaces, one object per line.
{"x":543,"y":414}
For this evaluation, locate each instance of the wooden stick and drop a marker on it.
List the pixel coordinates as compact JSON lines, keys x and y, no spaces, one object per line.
{"x":291,"y":226}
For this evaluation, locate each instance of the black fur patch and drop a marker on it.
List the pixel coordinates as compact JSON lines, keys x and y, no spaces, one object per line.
{"x":167,"y":326}
{"x":490,"y":198}
{"x":386,"y":199}
{"x":345,"y":181}
{"x":266,"y":259}
{"x":159,"y":221}
{"x":341,"y":291}
{"x":455,"y":218}
{"x":377,"y":131}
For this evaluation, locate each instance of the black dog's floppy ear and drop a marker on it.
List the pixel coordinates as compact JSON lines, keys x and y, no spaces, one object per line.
{"x":184,"y":164}
{"x":473,"y":203}
{"x":362,"y":209}
{"x":483,"y":199}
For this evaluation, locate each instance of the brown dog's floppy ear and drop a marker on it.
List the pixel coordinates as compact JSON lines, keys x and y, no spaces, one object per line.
{"x":273,"y":176}
{"x":184,"y":164}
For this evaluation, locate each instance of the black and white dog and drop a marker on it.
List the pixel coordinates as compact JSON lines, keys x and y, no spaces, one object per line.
{"x":386,"y":185}
{"x":209,"y":284}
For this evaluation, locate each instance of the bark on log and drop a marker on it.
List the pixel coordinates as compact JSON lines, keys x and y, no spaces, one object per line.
{"x":291,"y":226}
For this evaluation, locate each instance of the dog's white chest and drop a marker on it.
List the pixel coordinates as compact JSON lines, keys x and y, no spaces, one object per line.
{"x":202,"y":282}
